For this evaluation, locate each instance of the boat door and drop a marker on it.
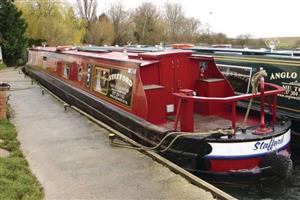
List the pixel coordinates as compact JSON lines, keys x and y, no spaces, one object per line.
{"x":179,"y":74}
{"x":172,"y":72}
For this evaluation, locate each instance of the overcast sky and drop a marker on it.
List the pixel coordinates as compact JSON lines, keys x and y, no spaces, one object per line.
{"x":260,"y":18}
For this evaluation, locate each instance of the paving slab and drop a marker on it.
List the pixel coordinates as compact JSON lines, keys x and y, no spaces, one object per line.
{"x":72,"y":158}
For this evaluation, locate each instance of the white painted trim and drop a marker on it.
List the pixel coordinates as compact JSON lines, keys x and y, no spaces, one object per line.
{"x":249,"y":149}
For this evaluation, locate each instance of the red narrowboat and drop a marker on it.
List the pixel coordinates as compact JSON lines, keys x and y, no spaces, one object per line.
{"x":173,"y":101}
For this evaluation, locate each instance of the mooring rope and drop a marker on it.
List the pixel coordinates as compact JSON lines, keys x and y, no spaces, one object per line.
{"x":254,"y":84}
{"x":180,"y":134}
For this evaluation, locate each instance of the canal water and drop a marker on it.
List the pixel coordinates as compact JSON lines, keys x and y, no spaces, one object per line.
{"x":268,"y":189}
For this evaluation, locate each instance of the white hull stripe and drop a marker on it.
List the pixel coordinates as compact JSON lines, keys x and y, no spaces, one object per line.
{"x":244,"y":157}
{"x":249,"y":149}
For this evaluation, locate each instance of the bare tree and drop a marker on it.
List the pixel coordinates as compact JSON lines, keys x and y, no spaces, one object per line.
{"x":121,"y":22}
{"x":220,"y":38}
{"x":189,"y":30}
{"x":174,"y":19}
{"x":243,"y":39}
{"x":101,"y":31}
{"x":147,"y":24}
{"x":179,"y":27}
{"x":87,"y":9}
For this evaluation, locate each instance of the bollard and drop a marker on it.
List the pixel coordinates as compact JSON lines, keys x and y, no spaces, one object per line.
{"x":3,"y":99}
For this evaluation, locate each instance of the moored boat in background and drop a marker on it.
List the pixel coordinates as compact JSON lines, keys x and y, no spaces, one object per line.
{"x":171,"y":101}
{"x":282,"y":67}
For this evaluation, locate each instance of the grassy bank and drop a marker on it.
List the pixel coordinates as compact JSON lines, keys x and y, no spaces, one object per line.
{"x":16,"y":179}
{"x":2,"y":66}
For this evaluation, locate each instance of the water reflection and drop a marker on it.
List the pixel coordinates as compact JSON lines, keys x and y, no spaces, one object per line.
{"x":267,"y":189}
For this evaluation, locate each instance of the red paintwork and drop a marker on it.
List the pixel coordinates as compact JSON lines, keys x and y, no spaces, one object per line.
{"x":164,"y":83}
{"x":229,"y":165}
{"x":73,"y":71}
{"x":232,"y":99}
{"x":262,"y":129}
{"x":156,"y":109}
{"x":73,"y":59}
{"x":170,"y":71}
{"x":262,"y":103}
{"x":211,"y":89}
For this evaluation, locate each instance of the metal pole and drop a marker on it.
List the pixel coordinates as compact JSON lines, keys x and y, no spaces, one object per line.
{"x":262,"y":103}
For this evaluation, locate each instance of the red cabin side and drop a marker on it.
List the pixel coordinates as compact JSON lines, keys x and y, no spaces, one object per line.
{"x":156,"y":76}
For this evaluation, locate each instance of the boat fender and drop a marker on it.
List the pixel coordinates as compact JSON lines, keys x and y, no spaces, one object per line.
{"x":281,"y":165}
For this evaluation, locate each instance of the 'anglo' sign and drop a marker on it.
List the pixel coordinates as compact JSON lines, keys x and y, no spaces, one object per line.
{"x":283,"y":75}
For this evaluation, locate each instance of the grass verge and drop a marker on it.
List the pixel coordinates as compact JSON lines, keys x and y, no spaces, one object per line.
{"x":2,"y":66}
{"x":16,"y":179}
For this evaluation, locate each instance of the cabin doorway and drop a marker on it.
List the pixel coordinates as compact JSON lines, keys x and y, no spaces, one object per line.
{"x":173,"y":81}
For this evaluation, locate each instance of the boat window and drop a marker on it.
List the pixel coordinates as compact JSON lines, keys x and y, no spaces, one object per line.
{"x":80,"y":74}
{"x":66,"y":71}
{"x":202,"y":67}
{"x":101,"y":80}
{"x":88,"y":75}
{"x":44,"y":58}
{"x":238,"y":76}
